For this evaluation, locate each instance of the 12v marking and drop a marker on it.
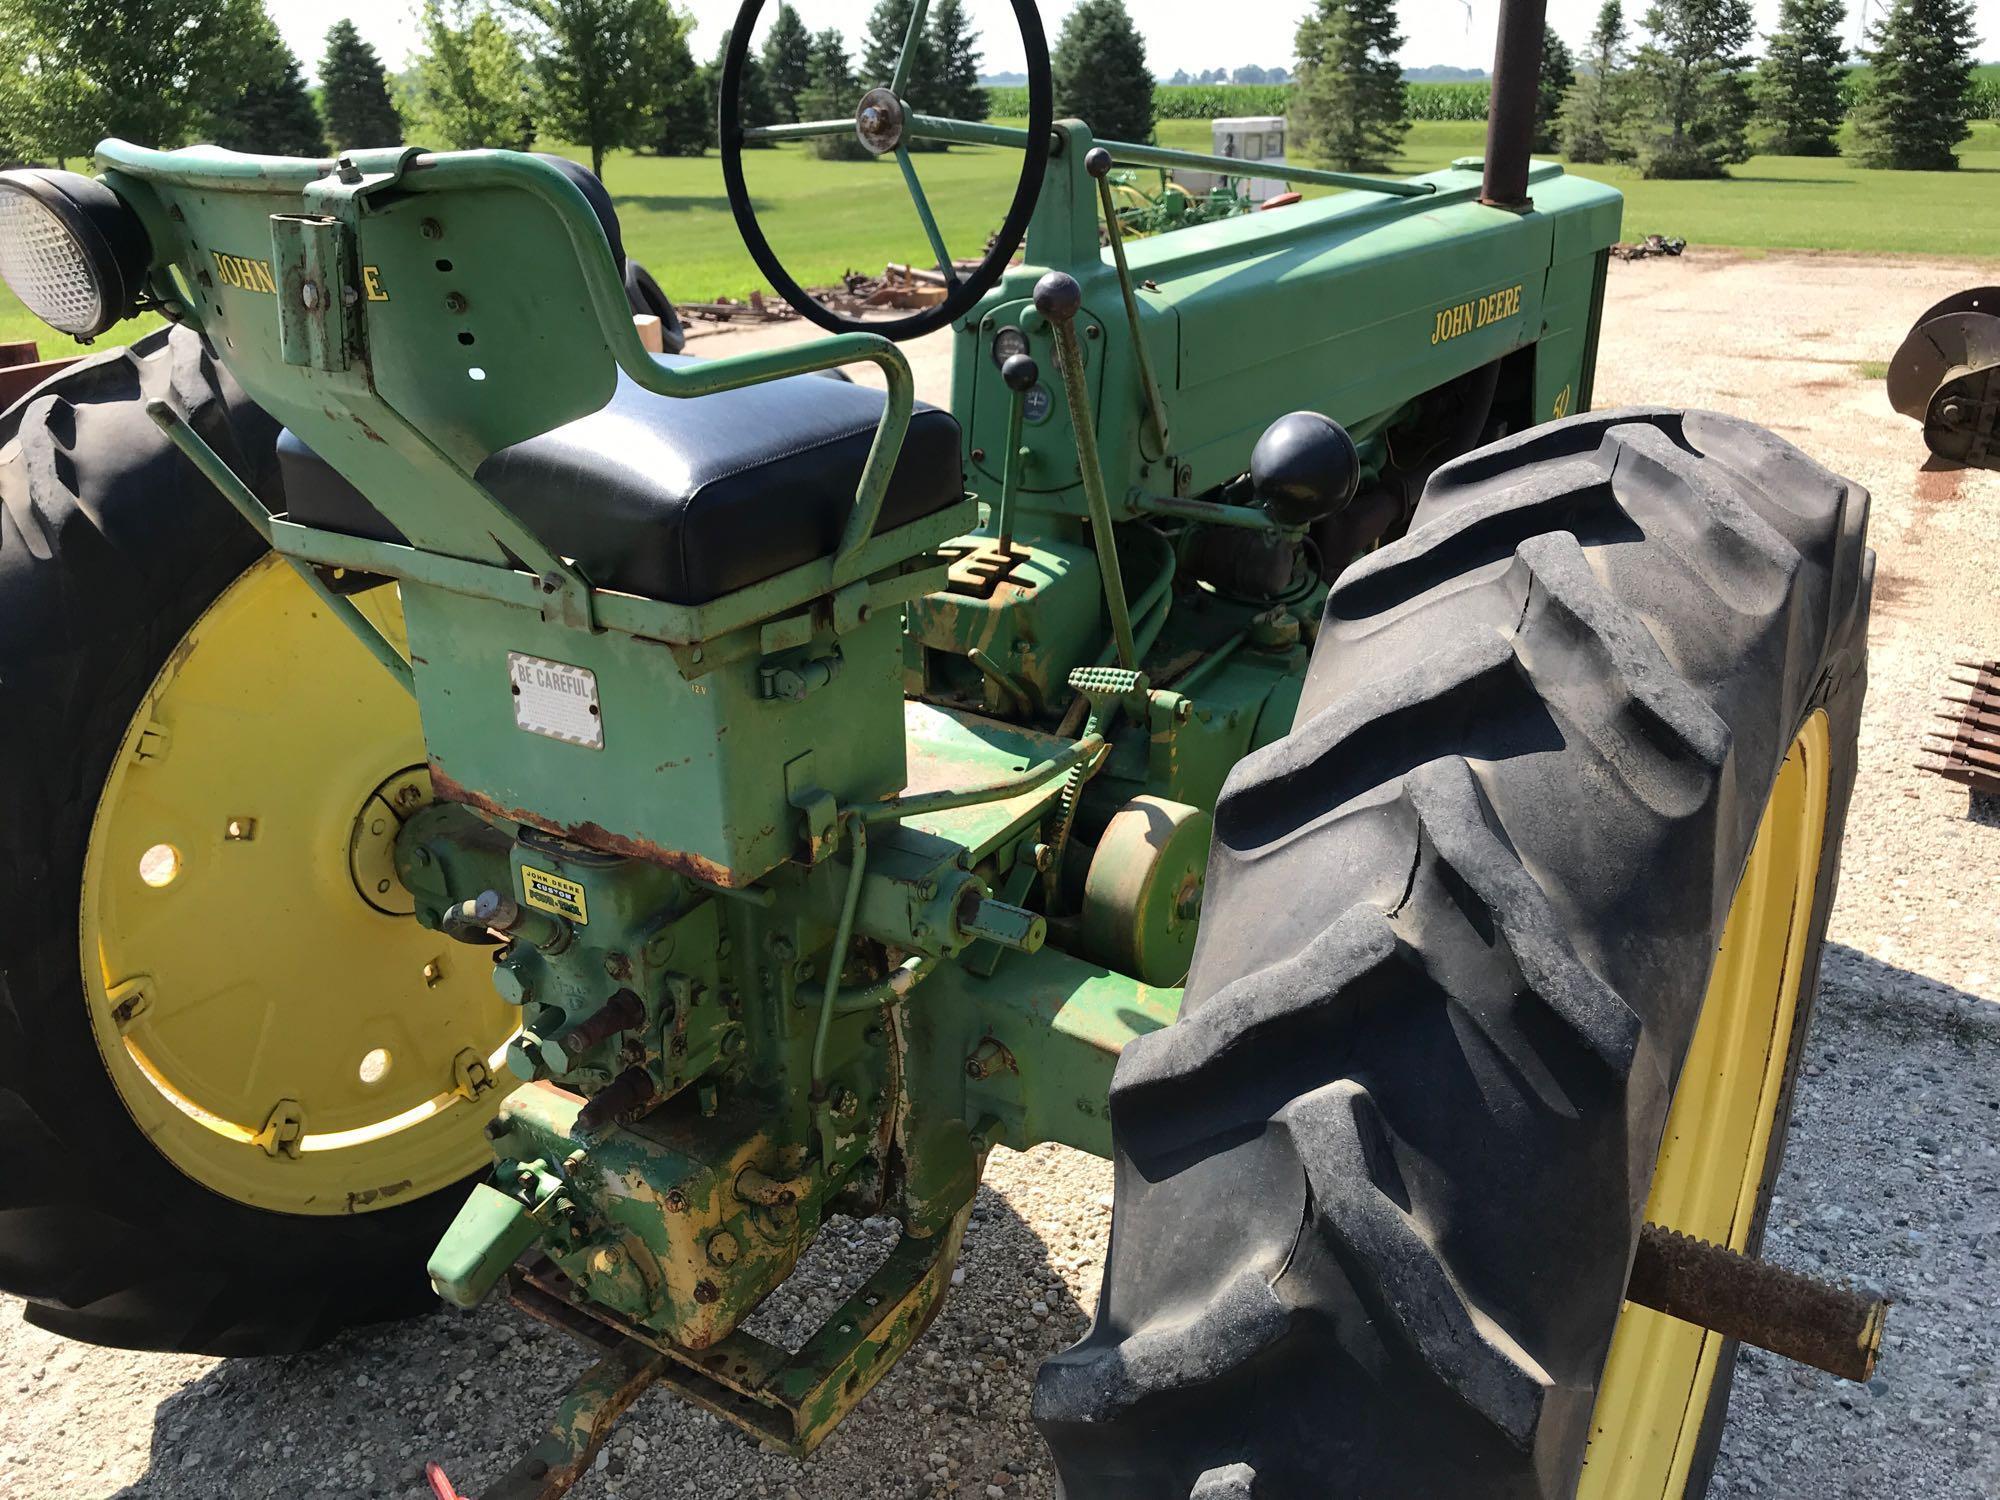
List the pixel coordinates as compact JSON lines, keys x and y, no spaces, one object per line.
{"x":556,"y":699}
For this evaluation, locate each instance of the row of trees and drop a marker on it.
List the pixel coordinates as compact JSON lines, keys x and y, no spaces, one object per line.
{"x":1688,"y":102}
{"x":1249,"y":73}
{"x":602,"y":74}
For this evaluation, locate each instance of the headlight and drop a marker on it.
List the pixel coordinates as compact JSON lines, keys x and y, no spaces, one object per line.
{"x":71,"y":252}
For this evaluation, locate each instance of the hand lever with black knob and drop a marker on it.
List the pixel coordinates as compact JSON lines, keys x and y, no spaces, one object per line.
{"x":1057,"y":298}
{"x":1019,"y":373}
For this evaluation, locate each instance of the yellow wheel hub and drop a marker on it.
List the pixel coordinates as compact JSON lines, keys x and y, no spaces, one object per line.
{"x":1661,"y":1372}
{"x":272,"y":1014}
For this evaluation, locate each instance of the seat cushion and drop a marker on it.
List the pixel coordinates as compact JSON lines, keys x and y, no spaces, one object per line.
{"x":684,"y":500}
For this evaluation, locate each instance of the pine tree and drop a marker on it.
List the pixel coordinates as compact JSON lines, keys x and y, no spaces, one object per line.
{"x":1347,"y":94}
{"x":1592,"y":125}
{"x":1100,"y":72}
{"x":272,"y":113}
{"x":355,"y":93}
{"x":473,"y":84}
{"x":1557,"y":75}
{"x":830,"y":93}
{"x":1797,"y":87}
{"x":1690,"y":82}
{"x":787,"y":53}
{"x":1919,"y":94}
{"x":888,"y":24}
{"x":954,"y":44}
{"x":678,"y":120}
{"x":753,"y":92}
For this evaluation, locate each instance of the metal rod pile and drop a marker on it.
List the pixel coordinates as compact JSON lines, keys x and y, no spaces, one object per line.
{"x":1970,"y":753}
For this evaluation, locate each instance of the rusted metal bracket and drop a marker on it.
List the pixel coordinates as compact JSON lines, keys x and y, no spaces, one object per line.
{"x":788,"y":1402}
{"x":1831,"y":1328}
{"x":582,"y":1423}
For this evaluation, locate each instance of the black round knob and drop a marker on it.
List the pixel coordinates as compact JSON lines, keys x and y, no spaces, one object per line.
{"x":1097,"y":161}
{"x":1057,"y":296}
{"x":1020,"y":372}
{"x":1304,"y":467}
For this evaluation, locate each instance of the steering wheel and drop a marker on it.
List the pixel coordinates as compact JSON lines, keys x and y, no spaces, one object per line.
{"x":886,"y":123}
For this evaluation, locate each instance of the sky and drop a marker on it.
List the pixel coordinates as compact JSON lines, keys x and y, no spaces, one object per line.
{"x":1179,"y":33}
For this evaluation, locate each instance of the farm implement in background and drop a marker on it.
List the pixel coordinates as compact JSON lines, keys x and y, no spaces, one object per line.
{"x":1946,"y":377}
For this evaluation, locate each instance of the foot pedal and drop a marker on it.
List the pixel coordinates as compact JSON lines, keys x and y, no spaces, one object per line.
{"x":1105,"y":685}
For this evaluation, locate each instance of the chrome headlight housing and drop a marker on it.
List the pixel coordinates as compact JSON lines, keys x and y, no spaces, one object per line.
{"x":70,"y":250}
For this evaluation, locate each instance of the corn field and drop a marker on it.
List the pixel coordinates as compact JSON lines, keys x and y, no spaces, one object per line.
{"x":1211,"y":101}
{"x":1427,"y":101}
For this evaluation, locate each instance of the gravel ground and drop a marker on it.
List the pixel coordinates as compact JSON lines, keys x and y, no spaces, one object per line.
{"x":1893,"y":1176}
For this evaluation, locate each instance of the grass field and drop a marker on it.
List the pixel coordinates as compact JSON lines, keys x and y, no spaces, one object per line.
{"x":827,"y":217}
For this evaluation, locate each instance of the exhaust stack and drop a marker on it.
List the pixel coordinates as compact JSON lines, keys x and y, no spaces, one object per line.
{"x":1510,"y":117}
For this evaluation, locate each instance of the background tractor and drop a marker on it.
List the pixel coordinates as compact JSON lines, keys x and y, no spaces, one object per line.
{"x":491,"y":806}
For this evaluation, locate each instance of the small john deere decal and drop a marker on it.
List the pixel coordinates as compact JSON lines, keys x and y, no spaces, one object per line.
{"x":552,"y":893}
{"x":1561,"y":408}
{"x":556,"y":699}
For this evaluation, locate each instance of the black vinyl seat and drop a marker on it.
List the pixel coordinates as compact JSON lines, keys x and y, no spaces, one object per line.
{"x":684,"y":500}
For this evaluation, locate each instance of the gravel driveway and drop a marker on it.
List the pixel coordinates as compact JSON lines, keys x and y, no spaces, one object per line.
{"x":1893,"y":1177}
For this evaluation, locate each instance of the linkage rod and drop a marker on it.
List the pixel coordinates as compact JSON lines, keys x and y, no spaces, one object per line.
{"x":1230,"y":166}
{"x":240,"y":495}
{"x":1097,"y":162}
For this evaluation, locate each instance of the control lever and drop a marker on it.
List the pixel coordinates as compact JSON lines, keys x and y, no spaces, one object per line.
{"x":1097,"y":162}
{"x":1019,"y":372}
{"x":1057,"y":298}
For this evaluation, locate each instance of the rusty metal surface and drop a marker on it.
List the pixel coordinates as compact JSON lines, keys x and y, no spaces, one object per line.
{"x":1829,"y":1327}
{"x":788,"y":1402}
{"x":590,"y":835}
{"x":1970,"y":752}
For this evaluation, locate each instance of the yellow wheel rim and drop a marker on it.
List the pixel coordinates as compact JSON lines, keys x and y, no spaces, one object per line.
{"x":274,"y":1018}
{"x":1661,"y":1372}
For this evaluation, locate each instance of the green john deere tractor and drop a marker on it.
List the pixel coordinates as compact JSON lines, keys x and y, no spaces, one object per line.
{"x":494,"y":809}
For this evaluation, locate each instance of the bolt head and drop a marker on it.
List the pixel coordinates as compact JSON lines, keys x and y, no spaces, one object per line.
{"x":514,"y":989}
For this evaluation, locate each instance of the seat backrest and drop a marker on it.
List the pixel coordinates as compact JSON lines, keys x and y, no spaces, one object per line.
{"x":406,"y":315}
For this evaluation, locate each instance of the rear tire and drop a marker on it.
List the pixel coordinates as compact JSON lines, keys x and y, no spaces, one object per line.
{"x":111,"y":547}
{"x":1378,"y":1189}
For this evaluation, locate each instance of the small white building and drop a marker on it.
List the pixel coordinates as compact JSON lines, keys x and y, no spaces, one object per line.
{"x":1248,"y":138}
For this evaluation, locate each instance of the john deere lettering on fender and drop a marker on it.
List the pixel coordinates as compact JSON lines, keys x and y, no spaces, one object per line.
{"x":1463,"y":317}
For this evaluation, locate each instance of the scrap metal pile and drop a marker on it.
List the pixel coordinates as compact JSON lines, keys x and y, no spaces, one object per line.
{"x":900,"y":288}
{"x":1650,"y":246}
